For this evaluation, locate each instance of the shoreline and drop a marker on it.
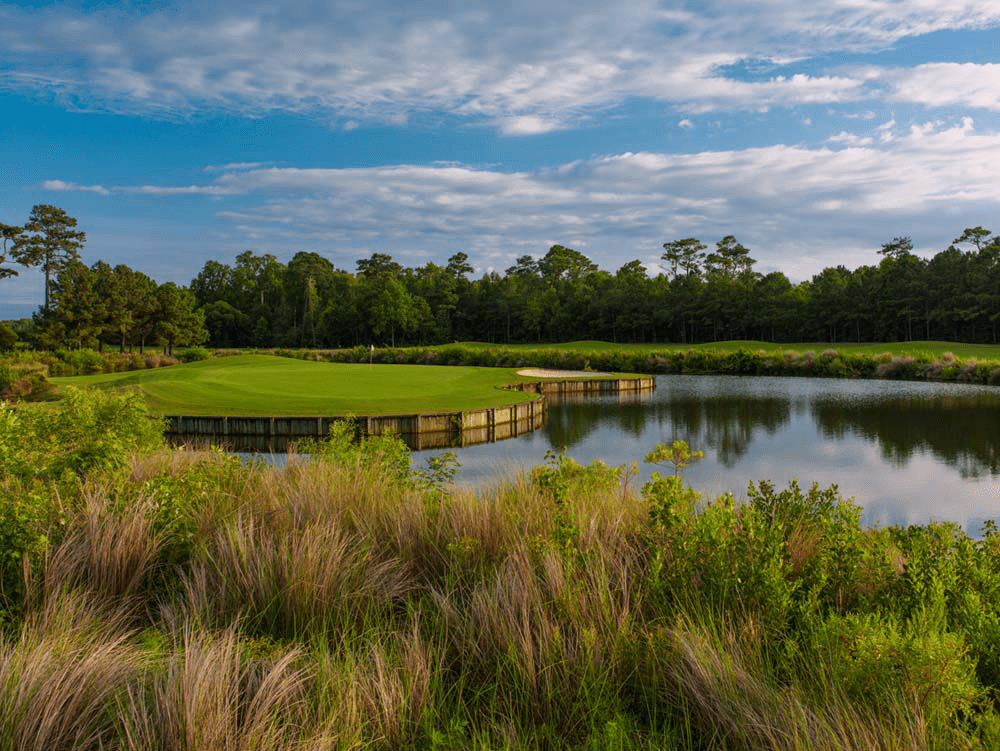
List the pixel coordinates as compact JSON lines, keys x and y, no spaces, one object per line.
{"x":418,"y":430}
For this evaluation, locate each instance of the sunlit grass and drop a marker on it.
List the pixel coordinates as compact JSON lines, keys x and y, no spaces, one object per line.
{"x":267,"y":385}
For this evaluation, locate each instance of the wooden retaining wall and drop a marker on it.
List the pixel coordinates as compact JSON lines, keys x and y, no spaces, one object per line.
{"x":438,"y":430}
{"x":595,"y":387}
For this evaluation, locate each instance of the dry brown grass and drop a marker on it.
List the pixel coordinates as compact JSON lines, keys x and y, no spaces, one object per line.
{"x":110,"y":552}
{"x":210,"y":694}
{"x":60,"y":679}
{"x":290,"y":580}
{"x":805,"y":541}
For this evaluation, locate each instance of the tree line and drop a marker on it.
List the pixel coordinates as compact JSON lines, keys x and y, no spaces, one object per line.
{"x":93,"y":306}
{"x":702,"y":294}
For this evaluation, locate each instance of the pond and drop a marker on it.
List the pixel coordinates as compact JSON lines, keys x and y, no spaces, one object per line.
{"x":908,"y":452}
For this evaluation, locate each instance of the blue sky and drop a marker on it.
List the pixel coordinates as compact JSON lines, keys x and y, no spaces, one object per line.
{"x":814,"y":132}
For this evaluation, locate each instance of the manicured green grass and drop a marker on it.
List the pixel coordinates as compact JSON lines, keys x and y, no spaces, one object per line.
{"x":267,"y":385}
{"x":963,"y":351}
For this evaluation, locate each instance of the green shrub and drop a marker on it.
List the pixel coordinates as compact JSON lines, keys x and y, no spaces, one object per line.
{"x":23,"y":382}
{"x":23,"y":517}
{"x":86,"y":430}
{"x":880,"y":662}
{"x":342,"y":446}
{"x":8,"y":338}
{"x":77,"y":362}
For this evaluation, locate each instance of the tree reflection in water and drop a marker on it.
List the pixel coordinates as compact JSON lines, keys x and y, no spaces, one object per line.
{"x":960,"y":430}
{"x":908,"y":451}
{"x":958,"y":425}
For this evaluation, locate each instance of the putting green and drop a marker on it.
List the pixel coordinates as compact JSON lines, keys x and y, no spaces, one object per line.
{"x":280,"y":386}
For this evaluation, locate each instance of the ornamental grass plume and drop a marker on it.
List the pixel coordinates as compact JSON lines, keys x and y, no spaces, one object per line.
{"x":210,"y":692}
{"x":109,"y":551}
{"x":62,"y":675}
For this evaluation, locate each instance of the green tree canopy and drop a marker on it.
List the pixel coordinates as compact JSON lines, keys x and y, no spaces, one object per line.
{"x":686,"y":255}
{"x":176,"y":320}
{"x":49,"y":240}
{"x":9,"y":235}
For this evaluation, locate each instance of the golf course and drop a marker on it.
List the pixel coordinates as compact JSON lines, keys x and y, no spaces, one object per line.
{"x":250,"y":385}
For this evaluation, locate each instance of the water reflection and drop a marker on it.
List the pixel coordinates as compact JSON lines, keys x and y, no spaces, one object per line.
{"x":960,"y":430}
{"x":726,"y":424}
{"x":908,"y":452}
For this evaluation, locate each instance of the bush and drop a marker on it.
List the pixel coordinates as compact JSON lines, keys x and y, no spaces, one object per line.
{"x":8,"y":338}
{"x":87,"y":429}
{"x":23,"y":381}
{"x":23,"y":519}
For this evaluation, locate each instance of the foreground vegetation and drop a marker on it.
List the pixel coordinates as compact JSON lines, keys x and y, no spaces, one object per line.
{"x":168,"y":599}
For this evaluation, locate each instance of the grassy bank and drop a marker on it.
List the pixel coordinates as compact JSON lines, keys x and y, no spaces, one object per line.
{"x":164,"y":599}
{"x":901,"y":349}
{"x":913,"y":361}
{"x":262,"y":384}
{"x":236,"y":390}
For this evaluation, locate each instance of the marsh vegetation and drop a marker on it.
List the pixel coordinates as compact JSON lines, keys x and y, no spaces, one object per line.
{"x":168,"y":599}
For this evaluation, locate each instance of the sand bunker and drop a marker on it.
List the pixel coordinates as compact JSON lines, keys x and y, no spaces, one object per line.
{"x":541,"y":373}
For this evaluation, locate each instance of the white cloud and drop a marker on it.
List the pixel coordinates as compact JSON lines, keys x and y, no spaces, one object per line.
{"x":61,"y":185}
{"x":235,"y":166}
{"x":526,"y":125}
{"x":526,"y":68}
{"x":947,"y":84}
{"x":851,"y":139}
{"x":174,"y":190}
{"x":685,"y":123}
{"x":929,"y":182}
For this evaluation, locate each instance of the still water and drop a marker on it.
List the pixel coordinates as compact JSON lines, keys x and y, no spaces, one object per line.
{"x":907,"y":452}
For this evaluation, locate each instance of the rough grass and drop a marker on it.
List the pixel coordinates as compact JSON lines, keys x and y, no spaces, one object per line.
{"x":194,"y":602}
{"x":933,"y":349}
{"x":183,"y":600}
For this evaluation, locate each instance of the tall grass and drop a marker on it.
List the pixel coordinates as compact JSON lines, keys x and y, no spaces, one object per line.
{"x":209,"y":693}
{"x":112,"y":553}
{"x":61,"y":676}
{"x":186,"y":601}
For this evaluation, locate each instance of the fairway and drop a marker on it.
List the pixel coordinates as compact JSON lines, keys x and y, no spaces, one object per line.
{"x":266,"y":385}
